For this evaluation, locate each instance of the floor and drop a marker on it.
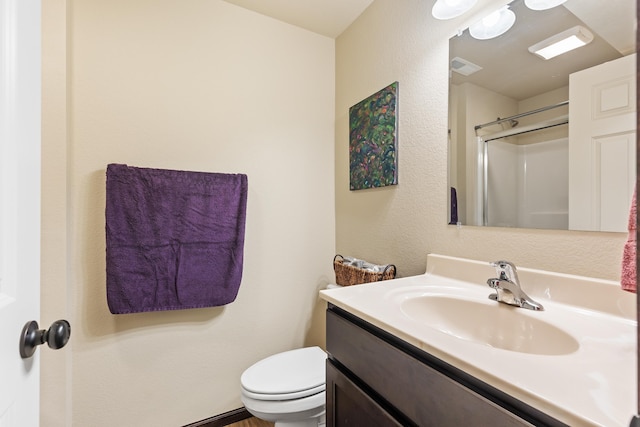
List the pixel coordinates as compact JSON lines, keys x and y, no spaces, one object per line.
{"x":252,"y":422}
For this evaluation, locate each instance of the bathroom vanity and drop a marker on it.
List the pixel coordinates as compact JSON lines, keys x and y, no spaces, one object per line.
{"x":374,"y":375}
{"x":435,"y":350}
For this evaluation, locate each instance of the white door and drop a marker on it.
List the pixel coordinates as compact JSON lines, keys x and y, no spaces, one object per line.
{"x":602,"y":142}
{"x":19,"y":207}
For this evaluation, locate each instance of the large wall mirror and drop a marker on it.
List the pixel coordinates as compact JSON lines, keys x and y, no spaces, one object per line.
{"x":545,"y":143}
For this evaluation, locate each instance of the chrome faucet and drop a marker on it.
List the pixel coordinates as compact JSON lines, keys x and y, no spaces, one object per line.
{"x":508,"y":289}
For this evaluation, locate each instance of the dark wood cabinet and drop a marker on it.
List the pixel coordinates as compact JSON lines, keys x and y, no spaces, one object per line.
{"x":349,"y":405}
{"x":376,"y":379}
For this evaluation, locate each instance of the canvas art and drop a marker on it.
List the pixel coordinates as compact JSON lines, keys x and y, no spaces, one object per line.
{"x":373,"y":125}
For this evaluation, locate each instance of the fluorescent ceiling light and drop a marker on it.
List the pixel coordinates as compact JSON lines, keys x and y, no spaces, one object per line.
{"x":493,"y":25}
{"x":448,"y":9}
{"x":563,"y":42}
{"x":543,"y":4}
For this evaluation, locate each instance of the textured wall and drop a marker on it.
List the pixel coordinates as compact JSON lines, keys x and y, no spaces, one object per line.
{"x":399,"y":40}
{"x":199,"y":85}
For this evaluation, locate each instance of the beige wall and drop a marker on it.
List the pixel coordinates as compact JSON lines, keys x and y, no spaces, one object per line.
{"x":194,"y":85}
{"x":203,"y":85}
{"x":400,"y":41}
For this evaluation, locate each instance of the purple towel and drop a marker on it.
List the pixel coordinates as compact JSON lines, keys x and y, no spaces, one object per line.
{"x":175,"y":239}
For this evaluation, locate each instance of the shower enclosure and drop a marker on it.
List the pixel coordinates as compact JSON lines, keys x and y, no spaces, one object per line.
{"x":524,"y":170}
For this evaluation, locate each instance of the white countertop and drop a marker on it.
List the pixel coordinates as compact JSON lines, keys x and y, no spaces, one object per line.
{"x":592,"y":386}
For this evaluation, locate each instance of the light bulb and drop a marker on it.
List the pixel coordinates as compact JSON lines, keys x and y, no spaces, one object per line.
{"x":493,"y":25}
{"x":542,"y":4}
{"x":492,"y":19}
{"x":448,"y":9}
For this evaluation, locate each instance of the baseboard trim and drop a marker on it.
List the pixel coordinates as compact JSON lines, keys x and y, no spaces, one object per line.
{"x":223,"y":419}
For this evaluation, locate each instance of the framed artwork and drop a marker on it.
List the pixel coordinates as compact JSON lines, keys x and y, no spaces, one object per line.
{"x":373,"y":143}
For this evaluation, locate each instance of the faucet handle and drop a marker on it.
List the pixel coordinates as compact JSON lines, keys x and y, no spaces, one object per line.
{"x":506,"y":269}
{"x":503,"y":264}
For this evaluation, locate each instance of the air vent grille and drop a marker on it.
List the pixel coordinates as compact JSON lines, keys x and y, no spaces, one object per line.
{"x":464,"y":67}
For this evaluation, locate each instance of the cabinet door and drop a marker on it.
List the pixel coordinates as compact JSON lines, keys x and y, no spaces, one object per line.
{"x":348,"y":405}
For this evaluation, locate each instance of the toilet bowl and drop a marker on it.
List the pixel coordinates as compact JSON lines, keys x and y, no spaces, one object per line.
{"x":288,"y":388}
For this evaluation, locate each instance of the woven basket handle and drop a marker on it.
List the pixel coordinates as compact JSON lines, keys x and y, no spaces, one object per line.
{"x":387,"y":268}
{"x":335,"y":258}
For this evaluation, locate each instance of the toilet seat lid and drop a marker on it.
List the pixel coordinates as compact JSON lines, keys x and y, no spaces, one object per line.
{"x":291,"y":372}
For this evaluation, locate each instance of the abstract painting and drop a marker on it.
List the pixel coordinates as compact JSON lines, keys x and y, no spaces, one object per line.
{"x":373,"y":125}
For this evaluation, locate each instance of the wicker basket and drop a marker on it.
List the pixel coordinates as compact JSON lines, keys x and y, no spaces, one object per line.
{"x":347,"y":275}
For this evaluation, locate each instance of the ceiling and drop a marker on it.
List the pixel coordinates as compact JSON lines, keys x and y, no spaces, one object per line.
{"x":326,"y":17}
{"x":508,"y":67}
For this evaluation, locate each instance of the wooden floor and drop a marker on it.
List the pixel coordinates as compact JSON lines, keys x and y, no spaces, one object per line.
{"x":252,"y":422}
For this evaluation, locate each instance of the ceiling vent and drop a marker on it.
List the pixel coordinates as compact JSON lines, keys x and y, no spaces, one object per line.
{"x":464,"y":67}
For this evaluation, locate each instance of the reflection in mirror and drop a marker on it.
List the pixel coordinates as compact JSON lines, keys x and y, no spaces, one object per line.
{"x":538,"y":143}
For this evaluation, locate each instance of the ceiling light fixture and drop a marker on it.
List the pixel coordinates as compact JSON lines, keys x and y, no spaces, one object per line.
{"x":563,"y":42}
{"x":448,"y":9}
{"x":493,"y":25}
{"x":543,"y":4}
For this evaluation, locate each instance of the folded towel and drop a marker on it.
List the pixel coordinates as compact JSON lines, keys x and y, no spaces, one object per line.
{"x":629,"y":273}
{"x":174,"y":239}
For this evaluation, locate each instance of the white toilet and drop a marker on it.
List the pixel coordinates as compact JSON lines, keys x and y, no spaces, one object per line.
{"x":288,"y":388}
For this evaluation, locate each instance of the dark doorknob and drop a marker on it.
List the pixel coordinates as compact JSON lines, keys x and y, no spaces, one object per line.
{"x":56,"y":337}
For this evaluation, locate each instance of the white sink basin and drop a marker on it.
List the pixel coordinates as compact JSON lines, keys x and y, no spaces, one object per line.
{"x":490,"y":323}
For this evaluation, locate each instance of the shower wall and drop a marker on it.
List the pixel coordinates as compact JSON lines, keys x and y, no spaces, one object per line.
{"x":528,"y":184}
{"x":502,"y":183}
{"x":543,"y":200}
